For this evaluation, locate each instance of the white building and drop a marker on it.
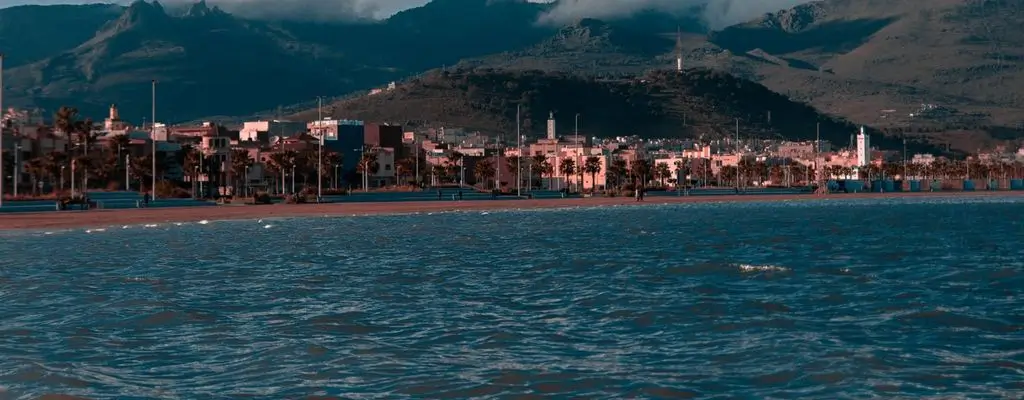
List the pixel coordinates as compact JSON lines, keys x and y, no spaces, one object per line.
{"x":551,"y":127}
{"x":863,"y":148}
{"x":261,"y":131}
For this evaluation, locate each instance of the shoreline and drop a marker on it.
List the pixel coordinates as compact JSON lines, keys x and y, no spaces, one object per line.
{"x":107,"y":218}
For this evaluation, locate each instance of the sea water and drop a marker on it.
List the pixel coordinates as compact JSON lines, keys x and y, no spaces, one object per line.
{"x":812,"y":299}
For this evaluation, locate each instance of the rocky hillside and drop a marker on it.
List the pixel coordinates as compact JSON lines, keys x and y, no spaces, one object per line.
{"x":698,"y":102}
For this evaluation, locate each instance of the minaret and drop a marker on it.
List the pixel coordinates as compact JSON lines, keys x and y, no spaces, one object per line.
{"x":551,"y":126}
{"x":113,"y":113}
{"x":679,"y":50}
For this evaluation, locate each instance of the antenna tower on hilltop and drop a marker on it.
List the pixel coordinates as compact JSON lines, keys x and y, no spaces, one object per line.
{"x":679,"y":50}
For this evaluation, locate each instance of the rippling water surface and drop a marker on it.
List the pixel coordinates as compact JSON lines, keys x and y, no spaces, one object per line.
{"x":837,"y":299}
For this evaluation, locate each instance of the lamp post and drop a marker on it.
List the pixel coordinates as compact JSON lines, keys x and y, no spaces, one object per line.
{"x":579,"y":152}
{"x":334,"y":182}
{"x":61,"y":178}
{"x":127,"y":182}
{"x":416,"y":154}
{"x":519,"y":159}
{"x":320,"y":149}
{"x":364,"y":165}
{"x":153,"y":138}
{"x":17,"y":167}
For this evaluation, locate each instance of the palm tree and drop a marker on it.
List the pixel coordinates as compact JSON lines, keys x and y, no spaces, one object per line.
{"x":241,"y":161}
{"x":484,"y":170}
{"x":641,"y":171}
{"x":330,"y":160}
{"x":65,"y":119}
{"x":546,"y":169}
{"x":278,"y":164}
{"x":776,"y":174}
{"x":368,"y":165}
{"x":567,"y":168}
{"x":55,"y":162}
{"x":404,"y":167}
{"x":662,"y":172}
{"x":536,"y":163}
{"x":440,"y":171}
{"x":37,"y":170}
{"x":514,"y":166}
{"x":141,"y":170}
{"x":592,"y":166}
{"x":453,"y":165}
{"x":618,"y":170}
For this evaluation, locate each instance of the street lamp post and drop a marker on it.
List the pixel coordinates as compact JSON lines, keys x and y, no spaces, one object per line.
{"x":61,"y":178}
{"x":579,"y":153}
{"x":17,"y":167}
{"x":320,"y":149}
{"x":127,"y":182}
{"x":153,"y":139}
{"x":334,"y":182}
{"x":519,"y":159}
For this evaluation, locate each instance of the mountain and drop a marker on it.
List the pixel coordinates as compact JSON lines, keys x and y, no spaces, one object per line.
{"x":32,"y":33}
{"x":207,"y":61}
{"x":697,"y":102}
{"x":204,"y":59}
{"x":870,"y":55}
{"x":870,"y":61}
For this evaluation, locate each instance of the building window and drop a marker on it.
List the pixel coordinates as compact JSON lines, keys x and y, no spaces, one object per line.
{"x":387,"y":167}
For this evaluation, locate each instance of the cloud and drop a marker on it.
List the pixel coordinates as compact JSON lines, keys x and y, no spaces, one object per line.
{"x":716,"y":13}
{"x":306,"y":10}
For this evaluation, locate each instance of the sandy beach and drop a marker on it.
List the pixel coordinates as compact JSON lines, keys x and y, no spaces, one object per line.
{"x":102,"y":218}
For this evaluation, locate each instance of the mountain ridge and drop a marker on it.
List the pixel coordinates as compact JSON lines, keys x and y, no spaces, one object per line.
{"x":845,"y":57}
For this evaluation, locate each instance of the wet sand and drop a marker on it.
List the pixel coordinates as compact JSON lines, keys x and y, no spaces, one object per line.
{"x":104,"y":218}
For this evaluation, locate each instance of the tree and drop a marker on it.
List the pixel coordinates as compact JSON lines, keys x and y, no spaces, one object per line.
{"x":368,"y":165}
{"x":36,"y":169}
{"x":641,"y":171}
{"x":618,"y":170}
{"x":567,"y":168}
{"x":241,"y":161}
{"x":405,"y":167}
{"x":662,"y":172}
{"x":515,"y":166}
{"x":536,"y":163}
{"x":484,"y":170}
{"x":331,"y":162}
{"x":592,"y":166}
{"x":453,"y":165}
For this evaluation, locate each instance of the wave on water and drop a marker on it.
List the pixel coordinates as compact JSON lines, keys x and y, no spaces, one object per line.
{"x":740,"y":300}
{"x":762,"y":268}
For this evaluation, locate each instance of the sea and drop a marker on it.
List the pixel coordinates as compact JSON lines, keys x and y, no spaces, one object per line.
{"x":832,"y":299}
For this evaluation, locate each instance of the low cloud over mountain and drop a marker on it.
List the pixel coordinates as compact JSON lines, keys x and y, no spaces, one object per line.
{"x":716,"y":13}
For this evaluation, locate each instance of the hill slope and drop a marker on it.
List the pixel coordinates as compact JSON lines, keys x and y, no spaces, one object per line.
{"x":32,"y":33}
{"x":699,"y":102}
{"x":203,"y":60}
{"x":894,"y":54}
{"x":853,"y":58}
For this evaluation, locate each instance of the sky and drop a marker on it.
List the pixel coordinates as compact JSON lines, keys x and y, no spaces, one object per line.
{"x":719,"y":13}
